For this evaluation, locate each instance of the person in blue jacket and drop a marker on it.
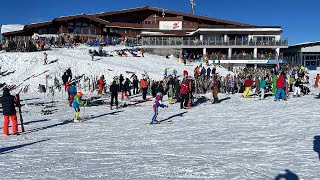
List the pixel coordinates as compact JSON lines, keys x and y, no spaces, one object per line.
{"x":157,"y":103}
{"x":72,"y":92}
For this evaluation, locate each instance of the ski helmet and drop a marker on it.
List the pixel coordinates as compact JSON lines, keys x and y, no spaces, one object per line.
{"x":79,"y":94}
{"x":159,"y":94}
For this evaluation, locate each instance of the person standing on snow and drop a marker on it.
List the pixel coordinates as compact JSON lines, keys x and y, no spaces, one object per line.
{"x":45,"y":58}
{"x":9,"y":112}
{"x":76,"y":105}
{"x":247,"y":84}
{"x":280,"y":85}
{"x":114,"y":89}
{"x":157,"y":103}
{"x":262,"y":87}
{"x":184,"y":91}
{"x":316,"y":84}
{"x":144,"y":88}
{"x":297,"y":89}
{"x":72,"y":92}
{"x":101,"y":84}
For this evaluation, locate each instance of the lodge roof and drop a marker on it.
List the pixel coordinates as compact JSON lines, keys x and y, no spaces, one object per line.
{"x":170,"y":12}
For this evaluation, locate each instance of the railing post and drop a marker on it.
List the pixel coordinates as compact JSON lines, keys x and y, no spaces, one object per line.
{"x":189,"y":41}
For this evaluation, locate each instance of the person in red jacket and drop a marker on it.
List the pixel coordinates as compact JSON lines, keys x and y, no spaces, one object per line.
{"x":280,"y":87}
{"x":101,"y":84}
{"x":316,"y":83}
{"x":184,"y":91}
{"x":247,"y":84}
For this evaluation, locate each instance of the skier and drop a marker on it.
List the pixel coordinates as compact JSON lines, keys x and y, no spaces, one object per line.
{"x":280,"y":86}
{"x":76,"y":105}
{"x":135,"y":82}
{"x":262,"y":87}
{"x":184,"y":91}
{"x":125,"y":89}
{"x":297,"y":86}
{"x":165,"y":72}
{"x":45,"y":58}
{"x":69,"y":74}
{"x":72,"y":92}
{"x":157,"y":103}
{"x":144,"y":87}
{"x":101,"y":84}
{"x":65,"y":78}
{"x":114,"y":89}
{"x":248,"y":83}
{"x":174,"y":72}
{"x":9,"y":112}
{"x":316,"y":84}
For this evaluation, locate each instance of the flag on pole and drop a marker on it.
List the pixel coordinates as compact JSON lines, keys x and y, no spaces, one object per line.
{"x":277,"y":59}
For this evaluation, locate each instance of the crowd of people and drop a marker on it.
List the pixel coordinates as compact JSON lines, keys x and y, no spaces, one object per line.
{"x":38,"y":43}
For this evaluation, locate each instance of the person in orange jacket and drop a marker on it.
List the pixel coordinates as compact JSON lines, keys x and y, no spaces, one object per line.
{"x":101,"y":84}
{"x":144,"y":87}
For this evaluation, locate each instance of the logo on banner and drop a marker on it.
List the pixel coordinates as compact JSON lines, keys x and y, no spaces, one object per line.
{"x":175,"y":25}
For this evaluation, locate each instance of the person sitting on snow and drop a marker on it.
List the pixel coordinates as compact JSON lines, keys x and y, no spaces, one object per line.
{"x":157,"y":103}
{"x":76,"y":105}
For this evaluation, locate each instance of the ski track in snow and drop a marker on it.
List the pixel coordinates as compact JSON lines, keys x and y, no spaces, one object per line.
{"x":236,"y":139}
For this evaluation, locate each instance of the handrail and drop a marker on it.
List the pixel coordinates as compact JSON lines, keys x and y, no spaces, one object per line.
{"x":193,"y":41}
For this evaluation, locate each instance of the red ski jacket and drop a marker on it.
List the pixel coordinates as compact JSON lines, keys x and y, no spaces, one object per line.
{"x":184,"y":88}
{"x":280,"y":82}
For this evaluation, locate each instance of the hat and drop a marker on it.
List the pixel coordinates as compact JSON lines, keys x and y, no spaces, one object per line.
{"x":79,"y":94}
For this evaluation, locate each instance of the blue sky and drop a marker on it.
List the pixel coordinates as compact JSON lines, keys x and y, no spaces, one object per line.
{"x":299,"y":19}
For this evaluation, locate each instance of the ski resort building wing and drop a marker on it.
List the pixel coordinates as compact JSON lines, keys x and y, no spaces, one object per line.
{"x":156,"y":28}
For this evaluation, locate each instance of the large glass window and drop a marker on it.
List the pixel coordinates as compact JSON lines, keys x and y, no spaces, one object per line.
{"x":85,"y":28}
{"x":78,"y":28}
{"x":70,"y":27}
{"x":92,"y":29}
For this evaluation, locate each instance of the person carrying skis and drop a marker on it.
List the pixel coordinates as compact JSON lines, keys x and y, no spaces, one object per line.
{"x":114,"y":89}
{"x":9,"y":112}
{"x":157,"y":103}
{"x":76,"y":105}
{"x":101,"y":84}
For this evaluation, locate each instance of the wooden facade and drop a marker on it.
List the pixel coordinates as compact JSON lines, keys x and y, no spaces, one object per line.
{"x":129,"y":23}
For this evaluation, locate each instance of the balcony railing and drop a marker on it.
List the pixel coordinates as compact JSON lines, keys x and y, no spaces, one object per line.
{"x":190,"y":41}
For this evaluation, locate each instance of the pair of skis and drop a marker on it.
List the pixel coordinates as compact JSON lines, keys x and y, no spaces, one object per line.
{"x":19,"y":109}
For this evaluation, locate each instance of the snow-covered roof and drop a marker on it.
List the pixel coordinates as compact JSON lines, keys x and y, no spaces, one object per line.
{"x":11,"y":27}
{"x":307,"y":43}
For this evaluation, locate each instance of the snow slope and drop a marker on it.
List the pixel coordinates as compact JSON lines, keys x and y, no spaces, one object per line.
{"x":22,"y":65}
{"x":236,"y":139}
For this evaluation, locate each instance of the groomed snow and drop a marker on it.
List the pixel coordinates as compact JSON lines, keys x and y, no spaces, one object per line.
{"x":236,"y":139}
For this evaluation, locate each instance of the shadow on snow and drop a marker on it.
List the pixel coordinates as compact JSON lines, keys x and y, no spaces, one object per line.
{"x":10,"y":149}
{"x":176,"y":115}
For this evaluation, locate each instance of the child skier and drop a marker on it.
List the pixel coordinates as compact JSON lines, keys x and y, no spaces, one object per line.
{"x":76,"y":105}
{"x":157,"y":103}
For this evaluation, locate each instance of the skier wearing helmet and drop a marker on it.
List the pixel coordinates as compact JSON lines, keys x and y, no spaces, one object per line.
{"x":76,"y":105}
{"x":157,"y":103}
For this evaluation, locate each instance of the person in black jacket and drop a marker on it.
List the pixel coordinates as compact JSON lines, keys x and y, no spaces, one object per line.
{"x":114,"y":89}
{"x":9,"y":112}
{"x":65,"y":79}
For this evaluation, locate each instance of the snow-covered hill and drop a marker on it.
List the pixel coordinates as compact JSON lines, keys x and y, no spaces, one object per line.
{"x":236,"y":139}
{"x":19,"y":66}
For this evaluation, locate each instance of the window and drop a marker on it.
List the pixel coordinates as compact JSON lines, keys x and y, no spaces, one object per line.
{"x":85,"y":28}
{"x":92,"y":29}
{"x":147,"y":22}
{"x":70,"y":27}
